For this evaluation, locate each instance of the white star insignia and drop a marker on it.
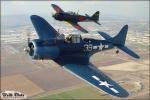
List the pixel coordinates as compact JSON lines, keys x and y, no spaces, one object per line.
{"x":105,"y":84}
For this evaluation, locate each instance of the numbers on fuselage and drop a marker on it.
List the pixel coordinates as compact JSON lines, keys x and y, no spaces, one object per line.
{"x":90,"y":47}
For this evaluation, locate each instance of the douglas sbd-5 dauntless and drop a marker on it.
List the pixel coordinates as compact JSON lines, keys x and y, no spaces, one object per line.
{"x":74,"y":18}
{"x":73,"y":53}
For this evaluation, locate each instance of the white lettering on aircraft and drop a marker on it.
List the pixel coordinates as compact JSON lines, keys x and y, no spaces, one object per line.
{"x":105,"y":83}
{"x":90,"y":47}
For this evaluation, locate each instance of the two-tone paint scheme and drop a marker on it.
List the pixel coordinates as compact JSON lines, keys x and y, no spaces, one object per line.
{"x":73,"y":18}
{"x":73,"y":54}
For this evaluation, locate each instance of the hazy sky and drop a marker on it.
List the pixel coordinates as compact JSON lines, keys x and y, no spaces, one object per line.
{"x":137,"y":9}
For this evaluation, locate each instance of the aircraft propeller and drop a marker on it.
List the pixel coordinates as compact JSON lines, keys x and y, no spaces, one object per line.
{"x":53,"y":13}
{"x":27,"y":48}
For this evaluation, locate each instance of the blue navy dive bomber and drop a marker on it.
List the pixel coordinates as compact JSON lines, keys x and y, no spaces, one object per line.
{"x":73,"y":53}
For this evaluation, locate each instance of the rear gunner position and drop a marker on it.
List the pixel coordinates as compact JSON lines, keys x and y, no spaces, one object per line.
{"x":73,"y":53}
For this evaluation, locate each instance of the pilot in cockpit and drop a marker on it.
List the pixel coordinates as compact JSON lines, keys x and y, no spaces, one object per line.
{"x":73,"y":38}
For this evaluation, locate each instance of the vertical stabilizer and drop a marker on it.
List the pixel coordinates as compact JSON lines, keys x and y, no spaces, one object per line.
{"x":120,"y":38}
{"x":95,"y":16}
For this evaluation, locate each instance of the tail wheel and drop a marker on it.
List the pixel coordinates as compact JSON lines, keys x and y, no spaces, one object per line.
{"x":117,"y":51}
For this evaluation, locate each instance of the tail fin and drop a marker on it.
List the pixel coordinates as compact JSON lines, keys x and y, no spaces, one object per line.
{"x":119,"y":41}
{"x":95,"y":16}
{"x":121,"y":36}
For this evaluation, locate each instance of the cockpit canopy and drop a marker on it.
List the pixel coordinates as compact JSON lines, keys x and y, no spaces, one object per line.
{"x":72,"y":13}
{"x":73,"y":38}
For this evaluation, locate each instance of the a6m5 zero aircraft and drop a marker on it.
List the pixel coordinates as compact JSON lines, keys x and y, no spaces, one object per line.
{"x":74,"y":18}
{"x":73,"y":53}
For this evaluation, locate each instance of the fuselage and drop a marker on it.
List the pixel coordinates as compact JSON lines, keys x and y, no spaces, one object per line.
{"x":86,"y":45}
{"x":71,"y":17}
{"x":71,"y":45}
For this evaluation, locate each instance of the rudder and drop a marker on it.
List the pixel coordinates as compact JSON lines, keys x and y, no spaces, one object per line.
{"x":120,"y":38}
{"x":95,"y":16}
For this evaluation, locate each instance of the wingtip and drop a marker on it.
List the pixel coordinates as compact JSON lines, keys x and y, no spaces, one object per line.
{"x":34,"y":16}
{"x":137,"y":57}
{"x":52,"y":4}
{"x":126,"y":26}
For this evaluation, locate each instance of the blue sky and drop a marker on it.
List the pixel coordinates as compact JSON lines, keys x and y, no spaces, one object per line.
{"x":130,"y":9}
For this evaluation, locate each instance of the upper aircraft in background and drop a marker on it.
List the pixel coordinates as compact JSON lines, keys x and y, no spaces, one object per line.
{"x":74,"y":18}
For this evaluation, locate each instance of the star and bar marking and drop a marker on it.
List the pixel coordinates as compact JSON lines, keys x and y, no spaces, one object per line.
{"x":105,"y":83}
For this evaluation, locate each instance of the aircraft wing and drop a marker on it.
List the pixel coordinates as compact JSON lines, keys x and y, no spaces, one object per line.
{"x":77,"y":26}
{"x":92,"y":75}
{"x":43,"y":28}
{"x":57,"y":8}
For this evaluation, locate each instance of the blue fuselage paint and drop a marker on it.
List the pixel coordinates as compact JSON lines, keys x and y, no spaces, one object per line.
{"x":93,"y":46}
{"x":89,"y":45}
{"x":55,"y":48}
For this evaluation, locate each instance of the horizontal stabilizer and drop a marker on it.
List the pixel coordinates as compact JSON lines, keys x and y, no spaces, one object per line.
{"x":119,"y":41}
{"x":97,"y":22}
{"x":129,"y":52}
{"x":104,"y":35}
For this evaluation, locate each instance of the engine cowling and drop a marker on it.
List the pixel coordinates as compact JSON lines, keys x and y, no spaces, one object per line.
{"x":40,"y":49}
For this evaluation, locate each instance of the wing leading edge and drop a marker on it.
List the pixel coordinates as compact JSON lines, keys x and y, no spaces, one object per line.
{"x":43,"y":28}
{"x":96,"y":78}
{"x":77,"y":26}
{"x":57,"y":8}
